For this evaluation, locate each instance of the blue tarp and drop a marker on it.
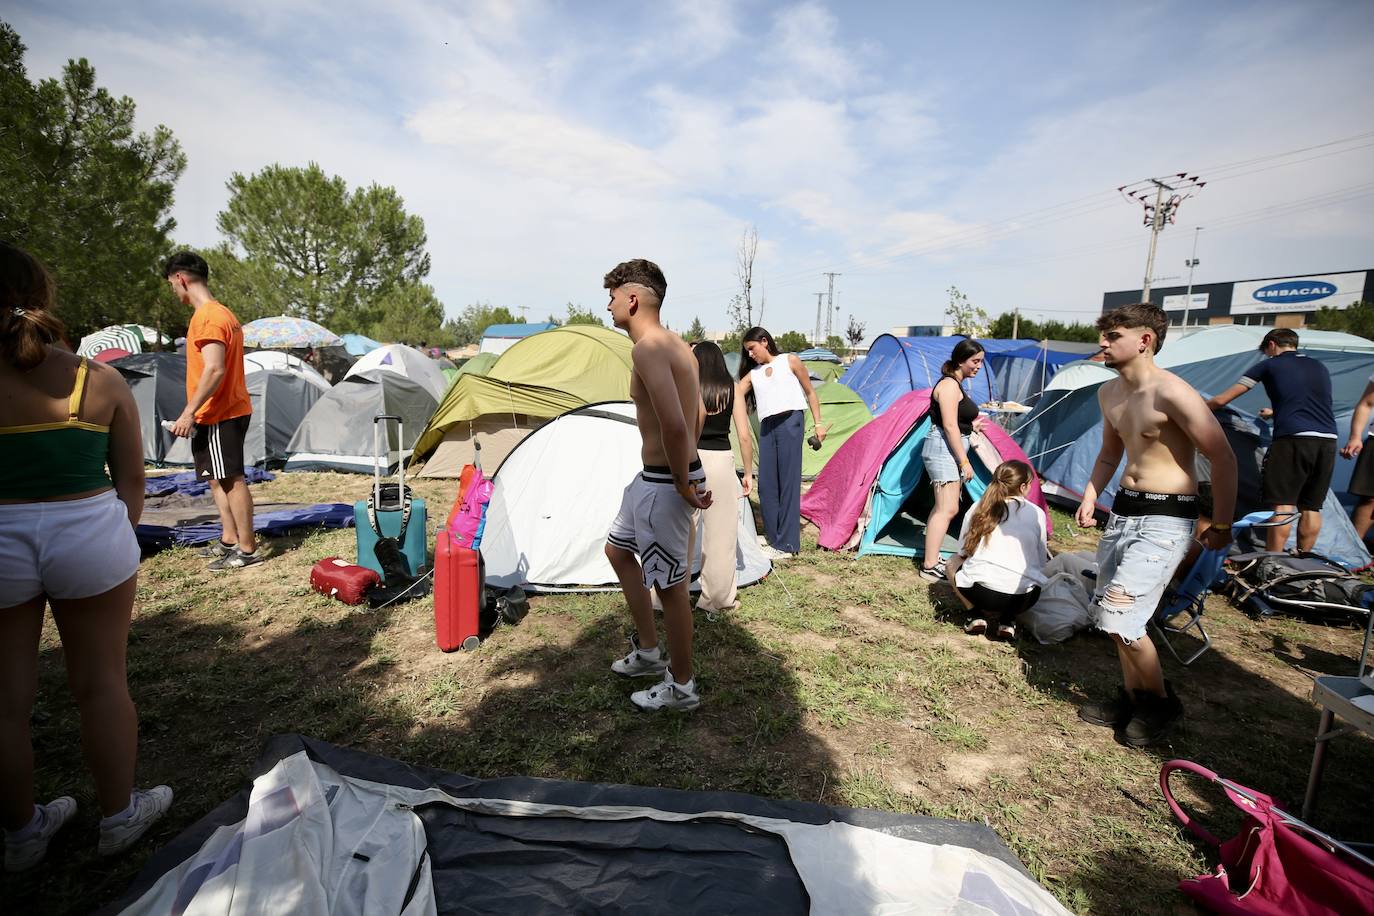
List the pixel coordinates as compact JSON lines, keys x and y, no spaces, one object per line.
{"x":357,"y":344}
{"x":186,"y":482}
{"x":1063,"y":434}
{"x":818,"y":353}
{"x":323,"y":515}
{"x":1014,"y":369}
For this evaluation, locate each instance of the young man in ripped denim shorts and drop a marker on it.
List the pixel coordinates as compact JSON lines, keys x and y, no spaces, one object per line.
{"x":1160,"y":423}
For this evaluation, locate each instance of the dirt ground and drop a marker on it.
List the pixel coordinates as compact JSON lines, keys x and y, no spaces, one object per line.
{"x":839,"y":680}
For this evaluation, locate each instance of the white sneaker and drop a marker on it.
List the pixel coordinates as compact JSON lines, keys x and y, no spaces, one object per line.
{"x":776,"y":555}
{"x":23,"y":854}
{"x":667,"y":694}
{"x":636,"y":665}
{"x":149,"y":806}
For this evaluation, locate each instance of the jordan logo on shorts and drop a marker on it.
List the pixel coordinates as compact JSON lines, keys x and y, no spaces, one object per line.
{"x":658,"y":566}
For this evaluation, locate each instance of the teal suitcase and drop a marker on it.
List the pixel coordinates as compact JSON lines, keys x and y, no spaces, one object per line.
{"x":391,"y":511}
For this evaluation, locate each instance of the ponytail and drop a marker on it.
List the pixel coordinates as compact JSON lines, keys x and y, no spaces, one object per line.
{"x":27,"y":323}
{"x":991,"y":510}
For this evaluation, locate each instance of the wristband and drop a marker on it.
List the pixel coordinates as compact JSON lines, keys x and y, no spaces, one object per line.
{"x":966,"y":463}
{"x":1219,"y":528}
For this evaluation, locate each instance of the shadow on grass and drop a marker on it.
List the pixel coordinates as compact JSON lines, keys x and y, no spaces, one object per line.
{"x":211,"y":684}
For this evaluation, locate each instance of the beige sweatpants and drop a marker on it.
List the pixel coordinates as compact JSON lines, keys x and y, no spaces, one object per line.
{"x":720,"y":529}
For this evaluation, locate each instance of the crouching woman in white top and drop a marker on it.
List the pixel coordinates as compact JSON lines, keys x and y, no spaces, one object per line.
{"x":997,"y":572}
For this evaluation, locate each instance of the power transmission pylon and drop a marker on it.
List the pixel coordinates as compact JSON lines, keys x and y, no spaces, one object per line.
{"x":816,"y":338}
{"x":1159,"y":211}
{"x":830,"y":306}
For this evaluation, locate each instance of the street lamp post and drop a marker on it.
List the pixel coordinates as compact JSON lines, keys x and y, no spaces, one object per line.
{"x":1191,"y":263}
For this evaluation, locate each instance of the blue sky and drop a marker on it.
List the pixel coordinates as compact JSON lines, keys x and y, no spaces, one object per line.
{"x":907,"y":146}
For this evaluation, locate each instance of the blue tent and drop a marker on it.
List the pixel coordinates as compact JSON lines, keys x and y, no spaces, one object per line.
{"x":517,"y":330}
{"x":1064,"y":432}
{"x":818,"y":353}
{"x":1015,"y":369}
{"x":357,"y":344}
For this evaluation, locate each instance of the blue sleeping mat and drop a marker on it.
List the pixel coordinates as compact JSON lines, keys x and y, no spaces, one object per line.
{"x":186,"y":482}
{"x":268,"y":519}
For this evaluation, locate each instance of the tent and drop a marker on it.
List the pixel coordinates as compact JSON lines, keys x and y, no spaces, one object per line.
{"x":281,"y":401}
{"x":556,"y":495}
{"x":897,"y":365}
{"x":327,"y":829}
{"x":874,"y":493}
{"x":158,"y":383}
{"x":818,"y":354}
{"x":843,"y":414}
{"x":357,"y":344}
{"x":403,"y":360}
{"x":336,"y":435}
{"x":823,"y":370}
{"x":281,"y":361}
{"x":539,"y":377}
{"x":478,"y":365}
{"x":498,"y":338}
{"x":1064,"y":432}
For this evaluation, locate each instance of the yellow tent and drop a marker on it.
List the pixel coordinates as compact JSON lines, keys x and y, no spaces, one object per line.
{"x":538,"y":378}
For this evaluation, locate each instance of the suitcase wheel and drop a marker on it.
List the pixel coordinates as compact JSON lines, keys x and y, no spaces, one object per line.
{"x":471,"y":643}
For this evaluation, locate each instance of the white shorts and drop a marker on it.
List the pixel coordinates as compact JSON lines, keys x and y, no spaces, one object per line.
{"x":65,"y":549}
{"x":656,"y":522}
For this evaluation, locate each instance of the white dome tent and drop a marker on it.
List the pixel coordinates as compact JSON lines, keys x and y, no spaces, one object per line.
{"x":402,"y":360}
{"x":556,"y":495}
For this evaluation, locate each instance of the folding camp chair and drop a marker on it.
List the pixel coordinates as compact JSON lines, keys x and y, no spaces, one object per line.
{"x":1181,"y":608}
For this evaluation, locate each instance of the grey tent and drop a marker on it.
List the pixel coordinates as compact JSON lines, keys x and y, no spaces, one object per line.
{"x":326,"y":829}
{"x":281,"y":400}
{"x":337,"y":433}
{"x":158,"y":381}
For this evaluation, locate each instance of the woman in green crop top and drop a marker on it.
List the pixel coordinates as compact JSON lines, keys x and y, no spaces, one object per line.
{"x":66,"y":540}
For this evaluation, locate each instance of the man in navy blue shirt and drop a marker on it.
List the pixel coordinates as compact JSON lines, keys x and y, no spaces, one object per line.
{"x":1297,"y":467}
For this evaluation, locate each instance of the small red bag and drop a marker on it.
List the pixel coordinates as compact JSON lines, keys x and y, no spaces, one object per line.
{"x":336,"y":578}
{"x":1276,"y":865}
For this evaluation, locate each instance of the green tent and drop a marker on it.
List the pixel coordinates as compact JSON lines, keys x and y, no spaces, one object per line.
{"x":538,"y":378}
{"x":479,"y":365}
{"x":823,"y":370}
{"x":842,"y":413}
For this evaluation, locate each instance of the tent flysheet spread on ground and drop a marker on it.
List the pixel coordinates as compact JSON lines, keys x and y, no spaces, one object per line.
{"x":325,"y":829}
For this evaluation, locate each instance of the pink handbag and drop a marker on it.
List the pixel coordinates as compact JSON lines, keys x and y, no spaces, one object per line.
{"x":1276,"y":865}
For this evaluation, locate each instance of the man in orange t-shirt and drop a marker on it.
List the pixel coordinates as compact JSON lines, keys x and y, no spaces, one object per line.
{"x":217,"y":409}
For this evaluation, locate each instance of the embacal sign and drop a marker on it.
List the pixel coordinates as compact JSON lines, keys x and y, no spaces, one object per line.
{"x":1297,"y":294}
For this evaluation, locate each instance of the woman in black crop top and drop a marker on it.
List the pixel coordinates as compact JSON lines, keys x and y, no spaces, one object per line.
{"x":720,"y":522}
{"x":953,"y":417}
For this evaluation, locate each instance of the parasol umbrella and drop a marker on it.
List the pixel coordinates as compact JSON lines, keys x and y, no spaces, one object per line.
{"x":125,"y":338}
{"x":285,"y":331}
{"x":110,"y":354}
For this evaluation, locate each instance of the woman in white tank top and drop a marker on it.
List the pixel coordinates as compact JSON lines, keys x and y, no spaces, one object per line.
{"x":777,"y":385}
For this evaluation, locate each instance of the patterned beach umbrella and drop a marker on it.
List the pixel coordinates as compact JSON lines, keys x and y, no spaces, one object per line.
{"x":118,"y":336}
{"x":285,"y":331}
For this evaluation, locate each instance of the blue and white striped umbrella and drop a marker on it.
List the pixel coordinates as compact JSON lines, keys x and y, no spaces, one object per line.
{"x":285,"y":331}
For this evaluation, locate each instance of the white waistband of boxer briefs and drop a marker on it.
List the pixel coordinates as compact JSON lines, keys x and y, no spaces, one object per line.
{"x":695,"y":473}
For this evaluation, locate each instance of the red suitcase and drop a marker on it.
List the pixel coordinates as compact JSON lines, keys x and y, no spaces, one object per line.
{"x":336,"y":578}
{"x":458,"y":578}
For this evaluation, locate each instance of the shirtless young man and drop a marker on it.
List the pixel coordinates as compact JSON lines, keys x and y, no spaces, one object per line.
{"x":1160,"y":423}
{"x":656,"y":517}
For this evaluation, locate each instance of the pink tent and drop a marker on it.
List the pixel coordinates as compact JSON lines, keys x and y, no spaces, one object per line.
{"x":836,"y":501}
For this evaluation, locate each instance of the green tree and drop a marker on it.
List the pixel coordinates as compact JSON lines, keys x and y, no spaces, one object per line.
{"x":696,"y":332}
{"x":835,"y":344}
{"x":964,"y":316}
{"x":411,"y":314}
{"x":792,"y":342}
{"x":577,"y":315}
{"x":84,"y":192}
{"x":1026,"y":329}
{"x":732,"y":342}
{"x":467,"y":328}
{"x":331,"y":255}
{"x":1358,"y":319}
{"x":854,"y":332}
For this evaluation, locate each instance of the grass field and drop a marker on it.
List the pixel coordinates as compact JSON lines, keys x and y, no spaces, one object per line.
{"x":839,"y":680}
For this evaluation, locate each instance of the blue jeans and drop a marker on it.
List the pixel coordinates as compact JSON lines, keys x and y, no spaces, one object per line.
{"x":1136,"y":559}
{"x":780,"y":445}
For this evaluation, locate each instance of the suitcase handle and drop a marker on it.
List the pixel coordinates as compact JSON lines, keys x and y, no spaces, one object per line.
{"x":377,"y":422}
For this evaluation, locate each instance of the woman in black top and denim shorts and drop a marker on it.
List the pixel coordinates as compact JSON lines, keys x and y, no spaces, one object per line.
{"x":953,"y":417}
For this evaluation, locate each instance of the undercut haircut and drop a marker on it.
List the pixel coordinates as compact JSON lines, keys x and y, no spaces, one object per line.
{"x":641,"y":273}
{"x":1283,"y":338}
{"x":189,"y":263}
{"x":1138,"y":315}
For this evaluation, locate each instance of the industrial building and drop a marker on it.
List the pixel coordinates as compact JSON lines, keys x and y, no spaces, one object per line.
{"x":1283,"y":302}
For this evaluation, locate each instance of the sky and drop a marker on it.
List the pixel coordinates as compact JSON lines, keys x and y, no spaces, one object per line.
{"x":906,"y":147}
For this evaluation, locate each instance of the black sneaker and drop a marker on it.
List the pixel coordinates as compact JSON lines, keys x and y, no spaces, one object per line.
{"x":1113,"y":713}
{"x":1154,"y":717}
{"x":236,"y":559}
